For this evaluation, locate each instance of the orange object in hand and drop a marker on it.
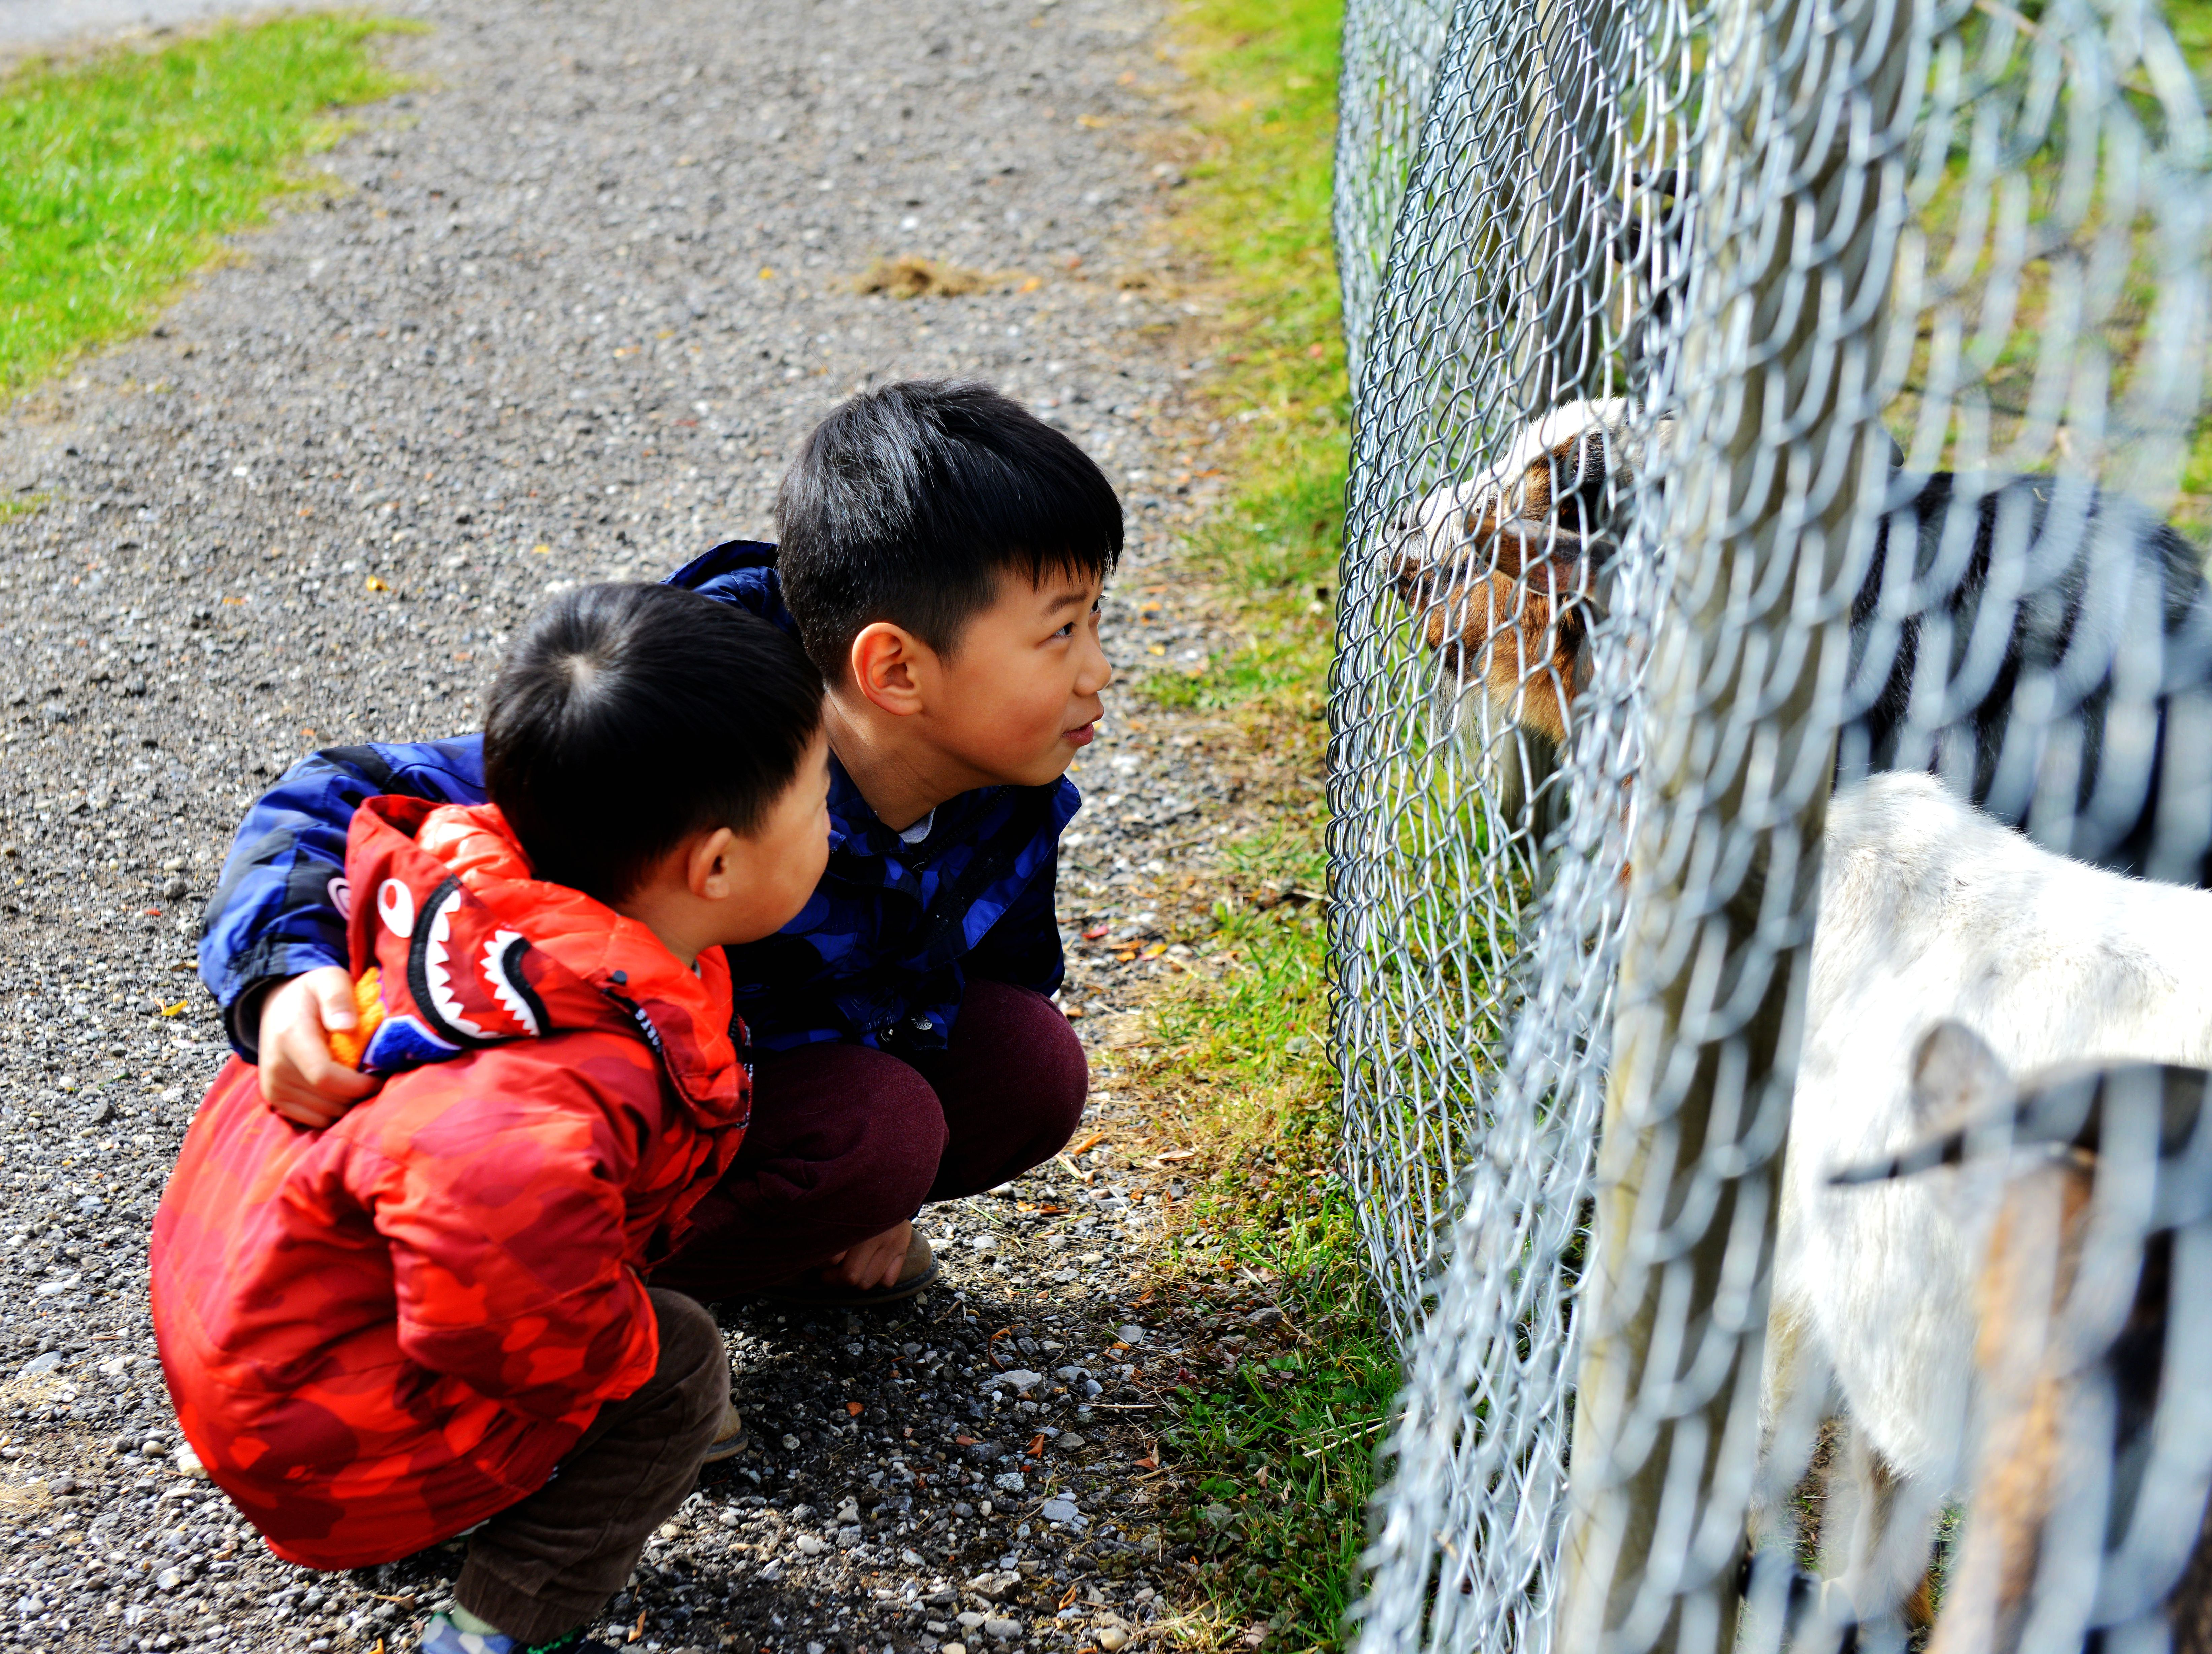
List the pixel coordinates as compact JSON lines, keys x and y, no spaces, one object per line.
{"x":347,"y":1044}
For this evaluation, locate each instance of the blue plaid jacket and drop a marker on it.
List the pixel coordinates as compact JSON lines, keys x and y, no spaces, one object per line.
{"x":881,"y":955}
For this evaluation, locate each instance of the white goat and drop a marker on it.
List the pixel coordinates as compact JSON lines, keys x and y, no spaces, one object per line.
{"x":1930,"y":911}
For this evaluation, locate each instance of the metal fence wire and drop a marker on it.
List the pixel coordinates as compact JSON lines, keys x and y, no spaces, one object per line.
{"x":1770,"y":504}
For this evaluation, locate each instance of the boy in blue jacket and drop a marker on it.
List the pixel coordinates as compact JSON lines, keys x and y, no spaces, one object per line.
{"x":943,"y":556}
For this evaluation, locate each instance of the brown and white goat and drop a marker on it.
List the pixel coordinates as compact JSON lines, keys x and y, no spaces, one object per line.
{"x":1504,"y":574}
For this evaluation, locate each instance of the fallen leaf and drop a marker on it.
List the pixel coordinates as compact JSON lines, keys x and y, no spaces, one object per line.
{"x":1096,"y":931}
{"x":1089,"y":1143}
{"x":1068,"y":1599}
{"x":1154,"y":951}
{"x":376,"y":585}
{"x":964,"y":1441}
{"x":1036,"y":1447}
{"x":178,"y":1009}
{"x":853,"y":1408}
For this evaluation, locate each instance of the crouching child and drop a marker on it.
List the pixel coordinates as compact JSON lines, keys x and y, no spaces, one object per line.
{"x":432,"y":1314}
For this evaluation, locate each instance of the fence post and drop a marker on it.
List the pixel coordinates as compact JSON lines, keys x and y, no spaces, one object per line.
{"x":1775,"y":464}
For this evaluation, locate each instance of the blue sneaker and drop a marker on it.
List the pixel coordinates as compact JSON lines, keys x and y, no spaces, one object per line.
{"x":442,"y":1636}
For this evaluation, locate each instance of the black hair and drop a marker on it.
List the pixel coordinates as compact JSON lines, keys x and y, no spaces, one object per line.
{"x":908,"y":502}
{"x":631,"y":716}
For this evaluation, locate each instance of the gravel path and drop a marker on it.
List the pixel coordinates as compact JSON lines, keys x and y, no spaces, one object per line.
{"x":560,"y":315}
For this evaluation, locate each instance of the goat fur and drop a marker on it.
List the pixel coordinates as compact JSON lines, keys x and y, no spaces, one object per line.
{"x":1932,"y":911}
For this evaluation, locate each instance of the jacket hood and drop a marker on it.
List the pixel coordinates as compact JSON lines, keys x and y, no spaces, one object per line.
{"x":743,"y":572}
{"x":466,"y":950}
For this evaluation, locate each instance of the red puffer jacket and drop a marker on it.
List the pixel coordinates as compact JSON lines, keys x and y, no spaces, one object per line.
{"x":378,"y":1334}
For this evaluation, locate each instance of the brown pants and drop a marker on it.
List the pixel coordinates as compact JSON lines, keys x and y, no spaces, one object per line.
{"x":552,"y":1562}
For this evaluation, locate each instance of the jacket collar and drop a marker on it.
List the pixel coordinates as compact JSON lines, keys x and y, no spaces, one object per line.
{"x":469,"y":950}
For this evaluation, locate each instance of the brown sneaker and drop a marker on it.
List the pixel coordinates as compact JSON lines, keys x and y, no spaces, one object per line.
{"x":729,"y":1439}
{"x":812,"y":1290}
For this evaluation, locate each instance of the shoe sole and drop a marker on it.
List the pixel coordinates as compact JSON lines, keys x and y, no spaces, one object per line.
{"x":717,"y":1451}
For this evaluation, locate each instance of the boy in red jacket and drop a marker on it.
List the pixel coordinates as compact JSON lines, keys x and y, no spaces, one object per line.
{"x":432,"y":1314}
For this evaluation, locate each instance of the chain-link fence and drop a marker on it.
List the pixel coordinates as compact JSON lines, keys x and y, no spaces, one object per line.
{"x":1773,"y":430}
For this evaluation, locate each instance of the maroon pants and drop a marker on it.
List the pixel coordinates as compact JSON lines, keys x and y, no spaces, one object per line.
{"x":846,"y":1142}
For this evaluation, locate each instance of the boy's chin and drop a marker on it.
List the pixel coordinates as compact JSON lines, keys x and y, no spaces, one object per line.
{"x":1045,"y":770}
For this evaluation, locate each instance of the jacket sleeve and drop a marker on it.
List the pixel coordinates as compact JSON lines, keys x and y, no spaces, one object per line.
{"x":505,"y":1220}
{"x":1023,"y":945}
{"x":274,"y":913}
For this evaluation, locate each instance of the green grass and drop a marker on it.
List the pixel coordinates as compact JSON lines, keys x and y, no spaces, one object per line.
{"x":1257,"y":210}
{"x":119,"y":173}
{"x":1277,"y":1464}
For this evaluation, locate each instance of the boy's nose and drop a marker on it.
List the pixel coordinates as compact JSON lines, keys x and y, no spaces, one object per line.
{"x":1098,"y":671}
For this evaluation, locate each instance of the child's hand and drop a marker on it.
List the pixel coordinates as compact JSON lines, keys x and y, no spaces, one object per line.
{"x":299,"y":1079}
{"x":875,"y":1262}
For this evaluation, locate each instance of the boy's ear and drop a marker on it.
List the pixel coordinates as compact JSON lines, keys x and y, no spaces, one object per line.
{"x":882,"y":660}
{"x":709,"y":869}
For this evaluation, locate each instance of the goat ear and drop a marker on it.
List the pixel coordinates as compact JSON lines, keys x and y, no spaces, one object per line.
{"x":1955,"y":1076}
